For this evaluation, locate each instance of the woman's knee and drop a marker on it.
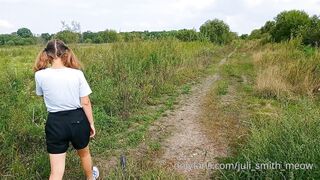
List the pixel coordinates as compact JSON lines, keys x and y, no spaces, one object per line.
{"x":85,"y":152}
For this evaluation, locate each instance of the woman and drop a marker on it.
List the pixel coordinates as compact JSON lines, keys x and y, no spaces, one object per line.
{"x":65,"y":92}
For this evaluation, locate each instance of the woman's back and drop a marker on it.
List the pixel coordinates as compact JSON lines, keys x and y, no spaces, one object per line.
{"x":61,"y":88}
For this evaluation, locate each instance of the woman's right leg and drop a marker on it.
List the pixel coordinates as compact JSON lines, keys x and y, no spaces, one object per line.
{"x":86,"y":161}
{"x":57,"y":163}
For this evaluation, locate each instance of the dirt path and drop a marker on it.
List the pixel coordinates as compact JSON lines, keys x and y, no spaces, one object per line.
{"x":188,"y":148}
{"x":184,"y":144}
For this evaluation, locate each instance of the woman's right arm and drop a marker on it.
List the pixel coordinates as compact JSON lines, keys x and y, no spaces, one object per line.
{"x":86,"y":106}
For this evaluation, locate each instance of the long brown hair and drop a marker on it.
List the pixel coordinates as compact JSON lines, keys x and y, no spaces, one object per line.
{"x":56,"y":49}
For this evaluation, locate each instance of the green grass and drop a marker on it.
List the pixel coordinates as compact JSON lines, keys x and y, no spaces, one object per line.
{"x":222,"y":88}
{"x":126,"y":78}
{"x":279,"y":130}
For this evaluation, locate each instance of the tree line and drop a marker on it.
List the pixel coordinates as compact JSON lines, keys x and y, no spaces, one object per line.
{"x":286,"y":25}
{"x":215,"y":31}
{"x":289,"y":25}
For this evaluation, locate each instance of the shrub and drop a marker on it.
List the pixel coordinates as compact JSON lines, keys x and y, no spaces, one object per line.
{"x":217,"y":31}
{"x":288,"y":25}
{"x":68,"y":36}
{"x":24,"y":33}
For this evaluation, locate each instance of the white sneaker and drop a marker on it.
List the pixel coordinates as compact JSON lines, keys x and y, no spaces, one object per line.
{"x":95,"y":172}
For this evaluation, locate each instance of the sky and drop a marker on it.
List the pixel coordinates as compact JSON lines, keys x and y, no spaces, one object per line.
{"x":138,"y":15}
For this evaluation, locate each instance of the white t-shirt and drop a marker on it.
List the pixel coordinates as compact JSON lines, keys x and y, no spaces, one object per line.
{"x":61,"y":88}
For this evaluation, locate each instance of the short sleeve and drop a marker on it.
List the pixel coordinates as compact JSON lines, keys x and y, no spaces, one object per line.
{"x":39,"y":91}
{"x":85,"y":89}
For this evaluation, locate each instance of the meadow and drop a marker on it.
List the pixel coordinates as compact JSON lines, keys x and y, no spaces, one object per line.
{"x":265,"y":106}
{"x":271,"y":118}
{"x":126,"y":78}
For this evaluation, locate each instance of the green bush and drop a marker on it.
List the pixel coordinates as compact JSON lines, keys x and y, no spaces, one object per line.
{"x":217,"y":31}
{"x":187,"y":35}
{"x":24,"y":33}
{"x":288,"y":25}
{"x":68,"y":36}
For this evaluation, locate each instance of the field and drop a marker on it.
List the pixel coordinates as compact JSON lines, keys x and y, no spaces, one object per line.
{"x":264,"y":107}
{"x":267,"y":108}
{"x":126,"y":79}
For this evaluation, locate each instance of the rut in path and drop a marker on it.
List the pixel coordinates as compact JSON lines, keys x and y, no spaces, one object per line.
{"x":188,"y":146}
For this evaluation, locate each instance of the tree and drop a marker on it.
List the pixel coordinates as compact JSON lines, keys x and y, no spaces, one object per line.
{"x":88,"y":35}
{"x":256,"y":34}
{"x":187,"y":35}
{"x":24,"y":33}
{"x":268,"y":27}
{"x":244,"y":36}
{"x":311,"y":34}
{"x":108,"y":36}
{"x":217,"y":31}
{"x":288,"y":25}
{"x":45,"y":36}
{"x":68,"y":36}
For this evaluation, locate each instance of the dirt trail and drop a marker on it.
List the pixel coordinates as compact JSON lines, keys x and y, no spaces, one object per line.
{"x":188,"y":147}
{"x":184,"y":143}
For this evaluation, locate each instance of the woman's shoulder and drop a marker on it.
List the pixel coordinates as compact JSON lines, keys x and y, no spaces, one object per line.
{"x":50,"y":71}
{"x":77,"y":71}
{"x":40,"y":72}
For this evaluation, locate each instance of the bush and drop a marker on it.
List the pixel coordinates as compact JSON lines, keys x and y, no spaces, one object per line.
{"x":45,"y":37}
{"x":311,"y":34}
{"x":187,"y":35}
{"x":68,"y":36}
{"x":24,"y":33}
{"x":217,"y":31}
{"x":88,"y":41}
{"x":288,"y":25}
{"x":108,"y":36}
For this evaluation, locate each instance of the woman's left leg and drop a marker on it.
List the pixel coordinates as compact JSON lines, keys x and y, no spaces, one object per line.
{"x":57,"y":163}
{"x":86,"y":161}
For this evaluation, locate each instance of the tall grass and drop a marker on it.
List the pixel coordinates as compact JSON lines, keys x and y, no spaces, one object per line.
{"x":282,"y":114}
{"x":131,"y":73}
{"x":292,"y":67}
{"x":290,"y":140}
{"x":124,"y":78}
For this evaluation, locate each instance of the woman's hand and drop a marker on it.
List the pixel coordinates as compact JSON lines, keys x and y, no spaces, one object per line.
{"x":92,"y":131}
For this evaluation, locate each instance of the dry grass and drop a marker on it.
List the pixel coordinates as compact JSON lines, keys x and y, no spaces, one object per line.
{"x":270,"y":83}
{"x":286,"y":69}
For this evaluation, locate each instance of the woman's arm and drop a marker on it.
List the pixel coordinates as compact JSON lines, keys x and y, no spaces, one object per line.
{"x":86,"y":106}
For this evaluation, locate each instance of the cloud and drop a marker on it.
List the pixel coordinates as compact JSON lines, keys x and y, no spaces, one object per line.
{"x":191,"y":4}
{"x":128,"y":15}
{"x":5,"y":24}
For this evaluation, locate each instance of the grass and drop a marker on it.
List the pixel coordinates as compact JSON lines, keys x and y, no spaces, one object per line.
{"x":268,"y":122}
{"x":126,"y":79}
{"x":265,"y":106}
{"x":296,"y":69}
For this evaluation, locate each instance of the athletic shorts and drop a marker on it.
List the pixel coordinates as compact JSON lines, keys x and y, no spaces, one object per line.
{"x":64,"y":127}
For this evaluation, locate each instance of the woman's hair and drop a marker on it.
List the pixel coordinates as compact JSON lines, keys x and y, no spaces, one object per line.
{"x":56,"y":49}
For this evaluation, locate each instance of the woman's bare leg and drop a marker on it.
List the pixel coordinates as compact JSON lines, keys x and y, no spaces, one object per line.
{"x":57,"y":163}
{"x":86,"y":161}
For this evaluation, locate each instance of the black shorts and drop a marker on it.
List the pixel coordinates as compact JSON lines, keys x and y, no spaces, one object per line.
{"x":64,"y":127}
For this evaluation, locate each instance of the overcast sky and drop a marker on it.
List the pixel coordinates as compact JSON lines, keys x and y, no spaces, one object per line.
{"x":123,"y":15}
